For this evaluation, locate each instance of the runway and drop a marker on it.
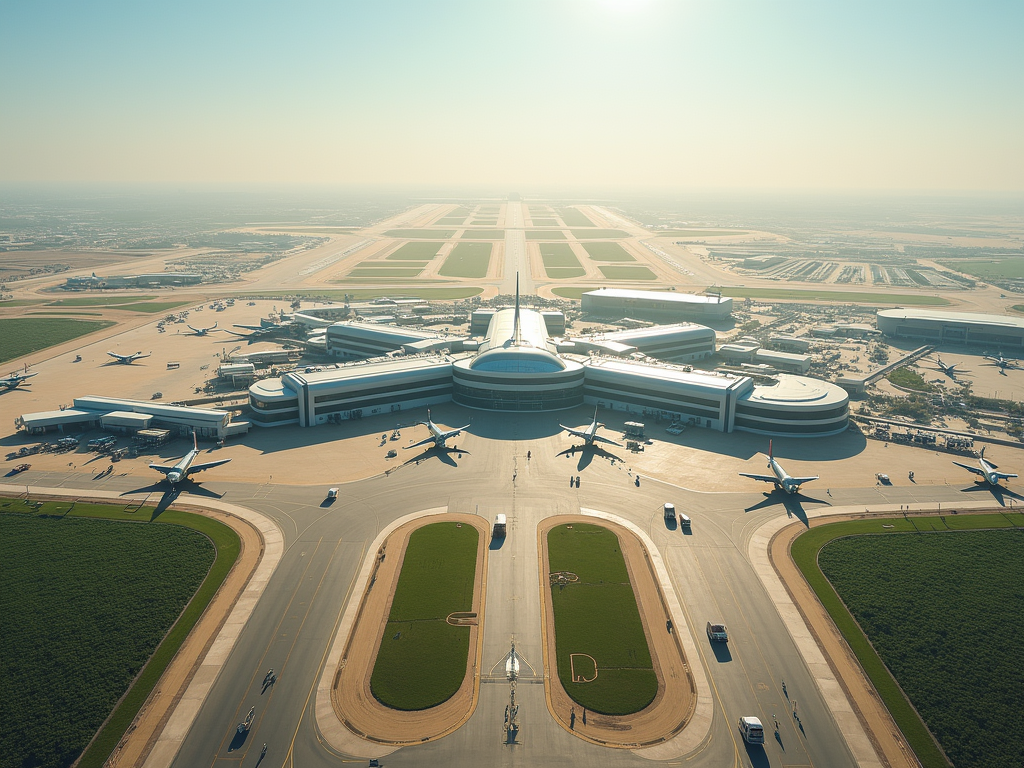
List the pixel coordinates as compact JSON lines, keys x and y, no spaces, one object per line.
{"x":293,"y":624}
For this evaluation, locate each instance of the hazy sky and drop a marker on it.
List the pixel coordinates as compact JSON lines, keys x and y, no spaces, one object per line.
{"x":637,"y":93}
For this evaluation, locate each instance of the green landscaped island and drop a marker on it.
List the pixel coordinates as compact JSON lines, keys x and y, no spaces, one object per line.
{"x":604,"y":662}
{"x":422,"y":658}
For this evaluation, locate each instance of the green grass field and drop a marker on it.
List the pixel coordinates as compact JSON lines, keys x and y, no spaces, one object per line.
{"x":467,"y":260}
{"x":392,"y":272}
{"x":22,"y":336}
{"x":85,"y":601}
{"x":1011,"y":268}
{"x":483,"y":234}
{"x":695,"y":233}
{"x":840,"y":297}
{"x":944,"y":638}
{"x":484,"y":223}
{"x":447,"y":221}
{"x":627,"y":273}
{"x":150,"y":307}
{"x":564,"y":273}
{"x":905,"y":377}
{"x":98,"y":301}
{"x":415,"y":252}
{"x":598,"y":616}
{"x":558,"y":255}
{"x":544,"y":222}
{"x":19,"y":303}
{"x":58,"y":313}
{"x":545,"y":234}
{"x":410,"y":291}
{"x":607,"y":252}
{"x":573,"y":218}
{"x":598,"y":234}
{"x":422,"y":659}
{"x":420,"y":234}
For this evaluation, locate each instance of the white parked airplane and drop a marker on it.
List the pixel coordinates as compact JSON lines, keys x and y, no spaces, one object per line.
{"x":949,"y":369}
{"x":128,"y":359}
{"x":779,"y":476}
{"x":184,"y":466}
{"x":987,"y":470}
{"x":202,"y":331}
{"x":1003,"y":363}
{"x":589,"y":435}
{"x":259,"y":331}
{"x":438,"y":436}
{"x":15,"y":379}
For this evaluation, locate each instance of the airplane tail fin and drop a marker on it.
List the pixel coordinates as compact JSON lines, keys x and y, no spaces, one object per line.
{"x":769,"y":450}
{"x":195,"y":444}
{"x":983,"y":452}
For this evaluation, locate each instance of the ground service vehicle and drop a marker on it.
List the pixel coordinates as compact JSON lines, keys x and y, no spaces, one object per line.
{"x":332,"y":494}
{"x":22,"y":468}
{"x":718,"y":633}
{"x":670,"y":511}
{"x":500,"y":526}
{"x":752,"y":730}
{"x":684,"y":521}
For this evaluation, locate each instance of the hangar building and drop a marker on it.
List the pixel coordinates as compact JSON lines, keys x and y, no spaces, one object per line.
{"x":659,"y":306}
{"x":952,"y":327}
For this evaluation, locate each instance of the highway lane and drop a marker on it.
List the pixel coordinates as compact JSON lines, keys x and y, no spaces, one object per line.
{"x":292,"y":625}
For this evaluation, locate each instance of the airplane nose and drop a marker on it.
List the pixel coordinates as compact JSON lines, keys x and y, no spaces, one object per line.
{"x":174,"y":477}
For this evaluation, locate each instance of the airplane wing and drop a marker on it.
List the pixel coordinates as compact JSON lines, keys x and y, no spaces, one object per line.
{"x":455,"y":432}
{"x":117,"y":356}
{"x":207,"y":465}
{"x":196,"y":330}
{"x":762,"y":478}
{"x":574,"y":432}
{"x":1004,"y":475}
{"x":162,"y":468}
{"x":802,"y":480}
{"x":599,"y":439}
{"x":421,"y":442}
{"x":249,"y":327}
{"x":969,"y":468}
{"x":236,"y":333}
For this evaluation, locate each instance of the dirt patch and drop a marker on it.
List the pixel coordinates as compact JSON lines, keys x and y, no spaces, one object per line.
{"x":354,"y":703}
{"x":676,"y":699}
{"x":881,"y":729}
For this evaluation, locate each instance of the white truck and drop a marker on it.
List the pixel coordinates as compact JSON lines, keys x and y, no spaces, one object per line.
{"x":500,"y":527}
{"x":670,"y":512}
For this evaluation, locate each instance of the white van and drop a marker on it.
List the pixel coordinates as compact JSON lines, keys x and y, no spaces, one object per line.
{"x":670,"y":511}
{"x":684,"y":522}
{"x":500,"y":526}
{"x":332,"y":494}
{"x":752,"y":730}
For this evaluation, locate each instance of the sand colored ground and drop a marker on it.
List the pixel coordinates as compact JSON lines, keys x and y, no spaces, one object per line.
{"x":883,"y":732}
{"x":676,"y":699}
{"x":353,"y":701}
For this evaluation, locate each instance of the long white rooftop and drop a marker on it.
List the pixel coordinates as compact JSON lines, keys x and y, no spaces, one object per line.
{"x":952,"y":317}
{"x":680,"y":298}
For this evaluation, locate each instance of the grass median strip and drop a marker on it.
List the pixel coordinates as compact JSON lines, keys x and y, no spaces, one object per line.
{"x":837,"y":297}
{"x":88,"y":602}
{"x":627,"y":273}
{"x":422,"y":658}
{"x":603,"y":660}
{"x":943,"y":639}
{"x":607,"y":252}
{"x":415,"y":252}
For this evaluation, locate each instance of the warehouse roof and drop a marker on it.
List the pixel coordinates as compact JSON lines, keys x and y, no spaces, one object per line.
{"x":679,"y":298}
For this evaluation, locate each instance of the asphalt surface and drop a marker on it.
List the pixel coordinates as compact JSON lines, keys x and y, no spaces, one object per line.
{"x":293,"y":625}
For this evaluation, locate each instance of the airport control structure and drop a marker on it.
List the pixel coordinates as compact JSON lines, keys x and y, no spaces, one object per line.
{"x":518,"y":359}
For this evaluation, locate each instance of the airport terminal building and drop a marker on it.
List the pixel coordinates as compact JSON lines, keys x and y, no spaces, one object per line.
{"x":517,"y":366}
{"x":989,"y":331}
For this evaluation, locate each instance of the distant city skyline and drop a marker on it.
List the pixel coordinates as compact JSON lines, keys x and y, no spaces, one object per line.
{"x":640,"y":94}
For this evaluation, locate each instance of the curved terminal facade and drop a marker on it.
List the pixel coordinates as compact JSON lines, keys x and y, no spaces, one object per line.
{"x":518,"y":367}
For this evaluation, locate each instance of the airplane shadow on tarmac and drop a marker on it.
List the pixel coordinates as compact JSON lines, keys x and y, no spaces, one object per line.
{"x":171,"y":493}
{"x":443,"y":455}
{"x":587,"y":454}
{"x":999,"y":493}
{"x":792,"y":502}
